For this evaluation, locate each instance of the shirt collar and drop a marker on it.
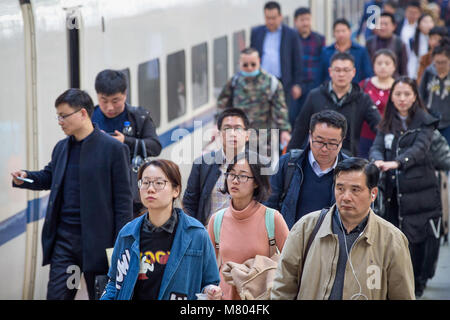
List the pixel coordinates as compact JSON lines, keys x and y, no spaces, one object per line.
{"x":359,"y":228}
{"x":169,"y":226}
{"x":334,"y":96}
{"x":316,"y":167}
{"x":276,"y":31}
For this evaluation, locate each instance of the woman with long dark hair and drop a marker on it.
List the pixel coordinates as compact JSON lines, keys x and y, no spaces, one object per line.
{"x":410,"y":186}
{"x":418,"y":45}
{"x":243,"y":229}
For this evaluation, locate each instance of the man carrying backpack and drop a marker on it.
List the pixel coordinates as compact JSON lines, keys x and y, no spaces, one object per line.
{"x":304,"y":181}
{"x":259,"y":94}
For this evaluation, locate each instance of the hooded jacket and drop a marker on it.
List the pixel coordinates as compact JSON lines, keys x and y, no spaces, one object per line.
{"x":415,"y":182}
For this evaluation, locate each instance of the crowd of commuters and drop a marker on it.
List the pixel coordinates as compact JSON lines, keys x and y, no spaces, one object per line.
{"x":348,"y":213}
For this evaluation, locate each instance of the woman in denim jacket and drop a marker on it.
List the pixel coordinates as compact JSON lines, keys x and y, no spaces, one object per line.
{"x":163,"y":254}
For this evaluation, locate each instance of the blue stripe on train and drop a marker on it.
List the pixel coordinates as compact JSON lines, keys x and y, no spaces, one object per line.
{"x":17,"y":224}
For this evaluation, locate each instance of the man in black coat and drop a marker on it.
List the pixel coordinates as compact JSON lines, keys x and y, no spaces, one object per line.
{"x":340,"y":95}
{"x":90,"y":197}
{"x":202,"y":197}
{"x":113,"y":112}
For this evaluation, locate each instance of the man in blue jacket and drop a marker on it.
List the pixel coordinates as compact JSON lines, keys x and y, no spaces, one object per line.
{"x":90,"y":197}
{"x":304,"y":181}
{"x":281,"y":53}
{"x":343,"y":33}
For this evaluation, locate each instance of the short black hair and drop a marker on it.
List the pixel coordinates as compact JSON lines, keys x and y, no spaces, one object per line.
{"x":441,"y":31}
{"x":272,"y":5}
{"x":233,"y":112}
{"x":331,"y":118}
{"x":76,"y":99}
{"x":442,"y":49}
{"x":300,"y":11}
{"x":342,"y":21}
{"x":249,"y":50}
{"x":342,"y":56}
{"x":110,"y":82}
{"x":360,"y":165}
{"x":414,"y":4}
{"x":256,"y":164}
{"x":389,"y":15}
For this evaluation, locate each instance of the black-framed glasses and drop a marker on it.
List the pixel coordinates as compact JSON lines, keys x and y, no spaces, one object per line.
{"x":240,"y":177}
{"x":157,"y":184}
{"x":329,"y":145}
{"x":246,"y":64}
{"x":62,"y":118}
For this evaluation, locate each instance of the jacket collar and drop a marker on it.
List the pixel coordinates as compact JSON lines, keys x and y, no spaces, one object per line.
{"x":368,"y":234}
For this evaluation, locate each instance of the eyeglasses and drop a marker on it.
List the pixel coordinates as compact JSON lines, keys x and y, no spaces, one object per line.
{"x":157,"y":184}
{"x":330,"y":146}
{"x":240,"y":177}
{"x":252,"y":64}
{"x":229,"y":130}
{"x":339,"y":70}
{"x":62,"y":118}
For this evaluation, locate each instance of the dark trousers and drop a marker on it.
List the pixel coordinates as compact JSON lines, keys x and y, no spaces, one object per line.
{"x":66,"y":265}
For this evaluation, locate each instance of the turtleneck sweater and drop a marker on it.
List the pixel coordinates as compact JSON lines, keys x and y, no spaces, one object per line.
{"x":243,"y":236}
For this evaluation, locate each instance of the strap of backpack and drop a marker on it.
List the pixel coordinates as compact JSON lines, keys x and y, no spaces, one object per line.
{"x":217,"y":227}
{"x":294,"y":155}
{"x":273,"y":86}
{"x":144,"y":149}
{"x":311,"y":238}
{"x":270,"y":227}
{"x":234,"y":81}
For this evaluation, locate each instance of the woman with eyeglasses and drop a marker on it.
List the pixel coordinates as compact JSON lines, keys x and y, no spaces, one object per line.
{"x":163,"y":254}
{"x":243,"y":233}
{"x":409,"y":184}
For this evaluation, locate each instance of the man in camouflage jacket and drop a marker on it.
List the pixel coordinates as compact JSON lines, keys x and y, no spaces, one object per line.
{"x":259,"y":94}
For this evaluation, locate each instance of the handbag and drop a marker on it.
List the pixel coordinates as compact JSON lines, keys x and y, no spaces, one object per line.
{"x":252,"y":279}
{"x":138,"y":160}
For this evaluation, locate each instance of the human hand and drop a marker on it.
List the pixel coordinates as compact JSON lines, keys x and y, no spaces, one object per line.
{"x":21,"y":174}
{"x":296,"y":92}
{"x":119,"y":136}
{"x":213,"y":292}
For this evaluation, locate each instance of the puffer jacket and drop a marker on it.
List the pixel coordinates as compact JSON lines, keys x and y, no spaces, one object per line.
{"x":415,"y":181}
{"x":380,"y":258}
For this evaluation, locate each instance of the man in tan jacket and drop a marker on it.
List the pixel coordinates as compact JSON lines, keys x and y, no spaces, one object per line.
{"x":354,"y":254}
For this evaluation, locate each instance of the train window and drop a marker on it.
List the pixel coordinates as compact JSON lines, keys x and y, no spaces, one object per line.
{"x":176,"y":85}
{"x":238,"y":46}
{"x":126,"y":72}
{"x":200,"y":75}
{"x":220,"y":64}
{"x":149,"y":89}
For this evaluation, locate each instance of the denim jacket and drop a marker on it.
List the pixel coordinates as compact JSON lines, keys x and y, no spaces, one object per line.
{"x":191,"y":265}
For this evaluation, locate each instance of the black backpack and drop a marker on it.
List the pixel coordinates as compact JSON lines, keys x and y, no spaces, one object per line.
{"x":294,"y":155}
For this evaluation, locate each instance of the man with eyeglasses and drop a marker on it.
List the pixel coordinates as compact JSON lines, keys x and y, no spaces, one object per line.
{"x":90,"y":197}
{"x":259,"y":94}
{"x":308,"y":186}
{"x":202,"y":197}
{"x":340,"y":95}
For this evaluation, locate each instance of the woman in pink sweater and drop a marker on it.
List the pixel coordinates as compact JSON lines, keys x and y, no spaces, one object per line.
{"x":243,"y":233}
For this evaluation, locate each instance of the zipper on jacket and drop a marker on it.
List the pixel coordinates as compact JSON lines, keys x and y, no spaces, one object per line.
{"x":399,"y":216}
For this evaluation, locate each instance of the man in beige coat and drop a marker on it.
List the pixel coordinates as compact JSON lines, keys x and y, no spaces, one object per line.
{"x":355,"y":254}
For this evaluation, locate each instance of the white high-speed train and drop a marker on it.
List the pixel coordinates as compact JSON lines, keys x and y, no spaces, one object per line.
{"x":177,"y":54}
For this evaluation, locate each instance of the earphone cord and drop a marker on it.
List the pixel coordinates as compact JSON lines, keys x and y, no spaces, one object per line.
{"x":359,"y":294}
